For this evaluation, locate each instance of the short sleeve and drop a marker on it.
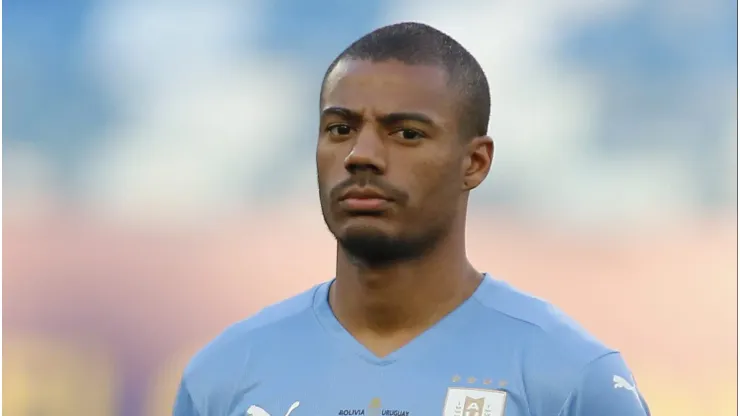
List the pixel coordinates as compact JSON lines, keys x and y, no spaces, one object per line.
{"x":606,"y":388}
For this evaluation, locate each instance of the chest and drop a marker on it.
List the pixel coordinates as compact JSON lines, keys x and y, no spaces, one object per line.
{"x":350,"y":386}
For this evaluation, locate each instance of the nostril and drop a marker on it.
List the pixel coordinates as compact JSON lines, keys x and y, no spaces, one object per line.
{"x":355,"y":168}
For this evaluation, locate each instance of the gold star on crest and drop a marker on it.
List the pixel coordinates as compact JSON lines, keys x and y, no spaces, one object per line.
{"x":455,"y":379}
{"x":503,"y":383}
{"x":487,"y":381}
{"x":471,"y":380}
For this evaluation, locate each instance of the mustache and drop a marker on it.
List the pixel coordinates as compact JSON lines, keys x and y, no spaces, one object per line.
{"x":367,"y":181}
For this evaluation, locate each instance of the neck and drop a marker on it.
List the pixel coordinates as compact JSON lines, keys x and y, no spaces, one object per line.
{"x":406,"y":296}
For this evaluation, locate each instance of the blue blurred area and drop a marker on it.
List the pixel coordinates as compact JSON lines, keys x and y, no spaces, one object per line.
{"x":314,"y":32}
{"x":648,"y":68}
{"x":634,"y":43}
{"x":49,"y":97}
{"x":652,"y":74}
{"x":648,"y":75}
{"x":46,"y":86}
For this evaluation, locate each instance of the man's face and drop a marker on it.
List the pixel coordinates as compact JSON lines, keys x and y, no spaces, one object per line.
{"x":389,"y":159}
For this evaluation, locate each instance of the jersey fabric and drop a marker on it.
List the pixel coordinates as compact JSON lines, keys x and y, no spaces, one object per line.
{"x":500,"y":353}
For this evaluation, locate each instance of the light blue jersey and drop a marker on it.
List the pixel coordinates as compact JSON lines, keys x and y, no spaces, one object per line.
{"x":501,"y":353}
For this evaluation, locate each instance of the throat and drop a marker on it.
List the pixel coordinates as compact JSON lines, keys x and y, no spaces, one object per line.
{"x":385,"y":314}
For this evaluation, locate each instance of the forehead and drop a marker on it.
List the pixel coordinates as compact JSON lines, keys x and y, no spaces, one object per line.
{"x":389,"y":87}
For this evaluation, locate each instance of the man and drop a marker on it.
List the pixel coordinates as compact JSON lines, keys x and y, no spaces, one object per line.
{"x":408,"y":326}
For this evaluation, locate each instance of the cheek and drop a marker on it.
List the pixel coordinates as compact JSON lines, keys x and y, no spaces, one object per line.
{"x":436,"y":185}
{"x":328,"y":162}
{"x":330,"y":170}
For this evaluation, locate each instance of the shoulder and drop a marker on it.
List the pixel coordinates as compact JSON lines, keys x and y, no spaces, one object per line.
{"x":549,"y":330}
{"x":557,"y":351}
{"x":221,"y":364}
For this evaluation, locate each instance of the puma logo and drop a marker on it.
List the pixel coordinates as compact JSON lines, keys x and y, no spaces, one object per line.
{"x":258,"y":411}
{"x":621,"y":383}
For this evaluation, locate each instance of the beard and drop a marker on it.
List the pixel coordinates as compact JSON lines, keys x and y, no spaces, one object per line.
{"x":373,"y":247}
{"x":376,"y":249}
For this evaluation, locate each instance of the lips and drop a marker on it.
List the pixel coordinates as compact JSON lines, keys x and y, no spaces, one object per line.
{"x":364,"y":200}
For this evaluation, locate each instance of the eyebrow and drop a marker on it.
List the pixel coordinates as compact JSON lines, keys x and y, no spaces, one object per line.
{"x":342,"y":112}
{"x":391,"y":118}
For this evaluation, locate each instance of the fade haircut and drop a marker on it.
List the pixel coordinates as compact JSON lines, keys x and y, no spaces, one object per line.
{"x":420,"y":44}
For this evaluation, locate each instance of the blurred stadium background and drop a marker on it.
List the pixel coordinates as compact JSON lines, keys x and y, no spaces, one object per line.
{"x":159,"y":181}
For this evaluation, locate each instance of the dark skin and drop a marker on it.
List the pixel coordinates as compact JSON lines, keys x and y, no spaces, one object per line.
{"x":394,"y":128}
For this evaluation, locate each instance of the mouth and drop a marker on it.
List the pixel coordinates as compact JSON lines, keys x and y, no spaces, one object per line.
{"x":367,"y":201}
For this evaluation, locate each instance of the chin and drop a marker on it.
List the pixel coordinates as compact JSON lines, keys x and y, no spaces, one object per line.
{"x":360,"y":229}
{"x":377,"y":246}
{"x":370,"y":247}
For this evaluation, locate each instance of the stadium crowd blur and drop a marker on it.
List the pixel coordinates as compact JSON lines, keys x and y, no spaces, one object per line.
{"x":159,"y":181}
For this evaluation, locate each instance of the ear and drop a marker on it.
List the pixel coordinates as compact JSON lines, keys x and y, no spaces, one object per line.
{"x":479,"y":157}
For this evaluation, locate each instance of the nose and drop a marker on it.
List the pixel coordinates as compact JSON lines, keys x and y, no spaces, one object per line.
{"x":368,"y":153}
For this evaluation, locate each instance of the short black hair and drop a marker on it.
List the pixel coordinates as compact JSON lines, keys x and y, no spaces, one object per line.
{"x":420,"y":44}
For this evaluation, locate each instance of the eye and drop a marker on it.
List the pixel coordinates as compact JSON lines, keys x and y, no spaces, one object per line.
{"x":408,"y":134}
{"x":339,"y":129}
